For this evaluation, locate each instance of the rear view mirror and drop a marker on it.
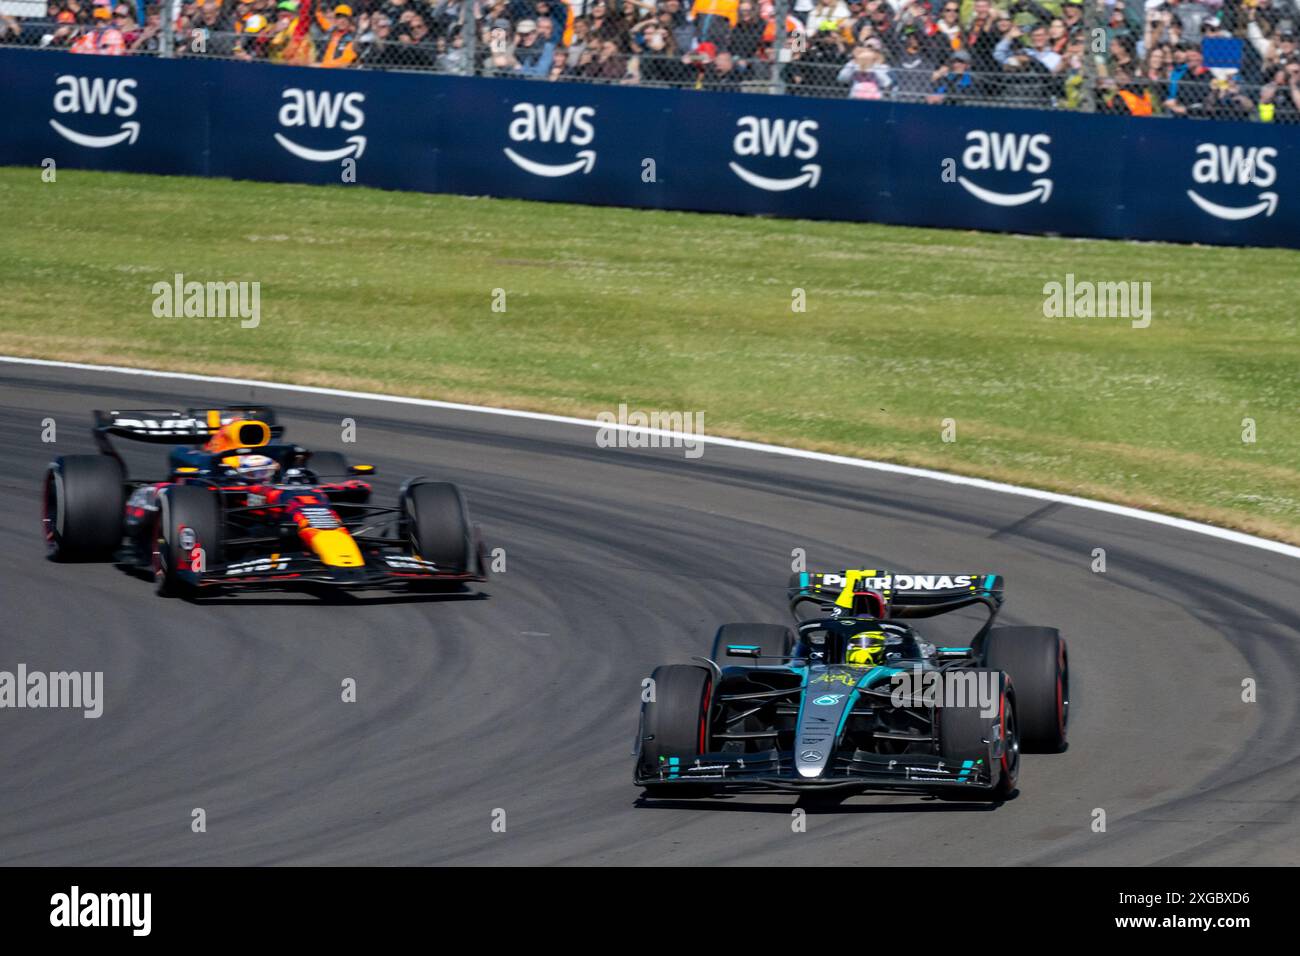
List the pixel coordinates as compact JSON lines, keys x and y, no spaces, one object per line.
{"x":743,"y":650}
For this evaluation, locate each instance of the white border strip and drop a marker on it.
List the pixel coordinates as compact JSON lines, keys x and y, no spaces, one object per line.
{"x":1224,"y":534}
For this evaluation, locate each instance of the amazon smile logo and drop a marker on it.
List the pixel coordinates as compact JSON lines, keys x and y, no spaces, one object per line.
{"x":777,"y":139}
{"x":321,"y":109}
{"x":1007,"y":152}
{"x":564,"y":125}
{"x":536,"y":122}
{"x":1217,"y":164}
{"x":95,"y":96}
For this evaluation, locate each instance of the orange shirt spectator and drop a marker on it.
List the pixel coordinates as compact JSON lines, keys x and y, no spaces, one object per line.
{"x":717,"y":8}
{"x":105,"y":39}
{"x":340,"y":49}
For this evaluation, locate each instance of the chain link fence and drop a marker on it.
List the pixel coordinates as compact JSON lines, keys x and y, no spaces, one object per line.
{"x":1224,"y":59}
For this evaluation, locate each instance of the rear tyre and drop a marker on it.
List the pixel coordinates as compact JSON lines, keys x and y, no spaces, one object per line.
{"x":437,"y":524}
{"x":82,"y":507}
{"x":187,"y":531}
{"x":965,"y":734}
{"x":772,"y":641}
{"x":675,"y":727}
{"x":1039,"y":666}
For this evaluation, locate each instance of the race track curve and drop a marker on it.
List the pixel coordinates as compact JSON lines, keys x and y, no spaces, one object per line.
{"x":525,"y":700}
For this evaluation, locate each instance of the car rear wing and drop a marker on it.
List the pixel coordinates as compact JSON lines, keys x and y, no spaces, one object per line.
{"x":901,"y":595}
{"x":173,"y":426}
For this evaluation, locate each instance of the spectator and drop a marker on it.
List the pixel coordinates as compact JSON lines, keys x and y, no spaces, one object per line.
{"x":953,"y":82}
{"x":673,"y":16}
{"x":147,"y":38}
{"x":605,"y":63}
{"x":287,"y":43}
{"x":416,"y":39}
{"x":453,"y":58}
{"x":714,"y":20}
{"x":383,"y":51}
{"x":866,"y":74}
{"x":340,"y":47}
{"x":1189,"y":85}
{"x":981,"y":36}
{"x":658,"y":62}
{"x":105,"y":38}
{"x":948,"y":28}
{"x":747,"y":35}
{"x":534,"y":47}
{"x":916,"y":66}
{"x":1279,"y":99}
{"x":254,"y":40}
{"x":828,"y":14}
{"x":559,"y":64}
{"x":722,"y":74}
{"x":1007,"y":53}
{"x":815,"y":70}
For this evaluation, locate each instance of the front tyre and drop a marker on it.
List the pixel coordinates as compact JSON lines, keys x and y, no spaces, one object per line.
{"x":675,"y":727}
{"x":436,"y":522}
{"x":82,"y":506}
{"x":969,"y":739}
{"x":186,"y":539}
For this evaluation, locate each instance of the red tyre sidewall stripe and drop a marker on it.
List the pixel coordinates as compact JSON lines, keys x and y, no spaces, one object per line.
{"x":704,"y":714}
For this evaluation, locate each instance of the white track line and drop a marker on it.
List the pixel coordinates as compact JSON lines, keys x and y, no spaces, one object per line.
{"x":1224,"y":534}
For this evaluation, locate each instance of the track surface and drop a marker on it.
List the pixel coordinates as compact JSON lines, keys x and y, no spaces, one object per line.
{"x":526,"y":700}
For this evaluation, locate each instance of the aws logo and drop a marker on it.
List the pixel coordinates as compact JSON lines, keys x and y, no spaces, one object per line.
{"x":96,"y":96}
{"x":569,"y":125}
{"x":322,"y":109}
{"x":1235,"y":166}
{"x":1007,"y":152}
{"x":777,"y":138}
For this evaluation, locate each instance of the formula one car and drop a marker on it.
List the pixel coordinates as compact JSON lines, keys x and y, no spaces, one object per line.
{"x":854,"y":697}
{"x":241,"y":508}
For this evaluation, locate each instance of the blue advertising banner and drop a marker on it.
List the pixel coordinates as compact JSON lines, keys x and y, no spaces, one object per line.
{"x":1028,"y":171}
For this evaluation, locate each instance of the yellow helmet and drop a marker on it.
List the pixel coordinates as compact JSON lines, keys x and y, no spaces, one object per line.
{"x":866,"y":648}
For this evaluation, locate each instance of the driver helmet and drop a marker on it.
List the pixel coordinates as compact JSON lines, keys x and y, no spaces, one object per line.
{"x":866,"y":648}
{"x":253,"y":468}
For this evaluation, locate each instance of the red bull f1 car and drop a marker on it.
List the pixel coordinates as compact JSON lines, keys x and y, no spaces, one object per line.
{"x":241,"y":508}
{"x":854,"y":697}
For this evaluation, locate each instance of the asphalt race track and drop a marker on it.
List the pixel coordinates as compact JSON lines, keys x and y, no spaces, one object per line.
{"x":525,"y":698}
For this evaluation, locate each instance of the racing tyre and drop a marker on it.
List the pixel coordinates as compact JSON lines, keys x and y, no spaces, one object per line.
{"x":328,"y":465}
{"x":675,"y":726}
{"x":965,"y":734}
{"x":1039,"y":666}
{"x":82,"y":507}
{"x":772,"y":641}
{"x":437,"y":524}
{"x":189,"y":519}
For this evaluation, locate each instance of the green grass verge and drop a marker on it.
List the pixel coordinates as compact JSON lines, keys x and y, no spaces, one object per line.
{"x":675,"y":311}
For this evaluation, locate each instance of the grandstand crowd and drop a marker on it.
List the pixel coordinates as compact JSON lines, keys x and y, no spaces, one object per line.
{"x":1235,"y":59}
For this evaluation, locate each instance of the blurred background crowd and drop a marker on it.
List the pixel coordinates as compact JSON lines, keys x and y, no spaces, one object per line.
{"x":1230,"y":59}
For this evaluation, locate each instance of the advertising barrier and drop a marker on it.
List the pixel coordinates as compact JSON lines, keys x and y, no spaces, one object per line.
{"x":1024,"y":171}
